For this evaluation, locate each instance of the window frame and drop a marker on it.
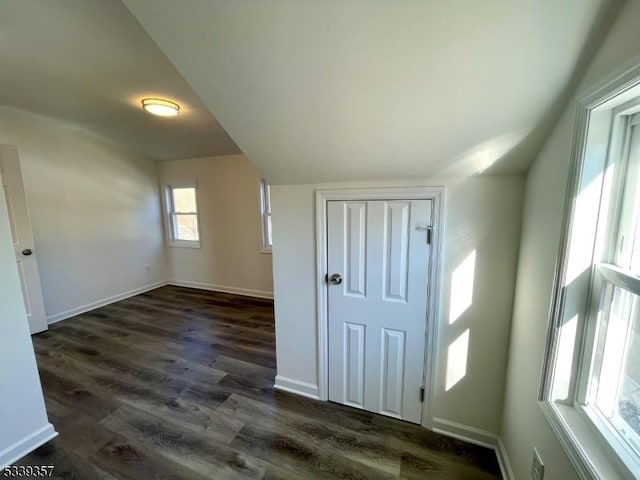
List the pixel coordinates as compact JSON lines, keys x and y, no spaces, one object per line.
{"x":172,"y":241}
{"x":594,"y":449}
{"x":264,"y":192}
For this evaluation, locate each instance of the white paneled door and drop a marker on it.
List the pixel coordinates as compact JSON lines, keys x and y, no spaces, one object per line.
{"x":378,"y":261}
{"x":13,"y":190}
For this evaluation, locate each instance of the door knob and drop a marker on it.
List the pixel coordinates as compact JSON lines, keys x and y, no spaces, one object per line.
{"x":335,"y":279}
{"x":27,"y":251}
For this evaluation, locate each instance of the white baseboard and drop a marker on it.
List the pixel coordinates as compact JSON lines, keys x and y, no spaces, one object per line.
{"x":116,"y":298}
{"x":297,"y":387}
{"x":23,"y":447}
{"x":101,"y":303}
{"x":477,"y":437}
{"x":503,"y":460}
{"x":464,"y":432}
{"x":224,"y":289}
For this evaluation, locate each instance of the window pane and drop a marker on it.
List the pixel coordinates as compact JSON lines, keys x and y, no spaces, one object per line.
{"x":265,"y":206}
{"x":627,"y":251}
{"x":617,"y":383}
{"x":629,"y":403}
{"x":267,"y":199}
{"x":184,"y":199}
{"x":186,"y":227}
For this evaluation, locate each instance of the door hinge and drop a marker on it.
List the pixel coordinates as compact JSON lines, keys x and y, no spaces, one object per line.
{"x":422,"y":394}
{"x":429,"y":234}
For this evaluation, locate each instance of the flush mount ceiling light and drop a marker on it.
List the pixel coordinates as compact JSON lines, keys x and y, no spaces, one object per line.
{"x":158,"y":106}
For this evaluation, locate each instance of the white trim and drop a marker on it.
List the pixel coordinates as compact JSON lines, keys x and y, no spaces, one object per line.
{"x":28,"y":444}
{"x":620,"y":277}
{"x":185,"y":244}
{"x":621,"y":80}
{"x":433,"y":306}
{"x":101,"y":303}
{"x":584,"y":469}
{"x":436,"y":195}
{"x":296,"y":387}
{"x":479,"y":437}
{"x":589,"y":454}
{"x":223,"y":289}
{"x":503,"y":461}
{"x":466,"y":433}
{"x":137,"y":291}
{"x":167,"y":207}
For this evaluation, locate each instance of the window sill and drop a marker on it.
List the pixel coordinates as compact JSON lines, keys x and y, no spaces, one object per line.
{"x":590,"y":455}
{"x":185,"y":244}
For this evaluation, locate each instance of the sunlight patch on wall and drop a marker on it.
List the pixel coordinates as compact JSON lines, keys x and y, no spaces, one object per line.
{"x":484,"y":155}
{"x":462,"y":281}
{"x":584,"y":225}
{"x":564,"y":364}
{"x":457,"y":360}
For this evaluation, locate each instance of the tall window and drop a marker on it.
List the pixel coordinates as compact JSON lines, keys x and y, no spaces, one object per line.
{"x":182,"y":215}
{"x":613,"y":388}
{"x":592,"y":371}
{"x":265,"y":208}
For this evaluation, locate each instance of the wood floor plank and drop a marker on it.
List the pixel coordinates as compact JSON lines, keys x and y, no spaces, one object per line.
{"x":177,"y":383}
{"x":99,"y":333}
{"x":119,"y":388}
{"x":186,"y":447}
{"x":162,"y":400}
{"x":67,"y":465}
{"x":363,"y":445}
{"x":125,"y":460}
{"x":189,"y":323}
{"x":262,"y":353}
{"x":284,"y":449}
{"x":73,"y":394}
{"x":151,"y":368}
{"x":370,"y":452}
{"x":241,"y":368}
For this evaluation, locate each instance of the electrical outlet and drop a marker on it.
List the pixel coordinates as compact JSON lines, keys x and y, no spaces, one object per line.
{"x":537,"y":467}
{"x":147,"y":269}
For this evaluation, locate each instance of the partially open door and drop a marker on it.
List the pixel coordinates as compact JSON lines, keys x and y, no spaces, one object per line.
{"x":20,"y":224}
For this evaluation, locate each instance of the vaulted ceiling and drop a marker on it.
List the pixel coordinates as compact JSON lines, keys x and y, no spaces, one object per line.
{"x":331,"y":90}
{"x":90,"y":62}
{"x":310,"y":90}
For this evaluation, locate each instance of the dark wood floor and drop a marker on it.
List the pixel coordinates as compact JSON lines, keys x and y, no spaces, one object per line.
{"x":177,"y":384}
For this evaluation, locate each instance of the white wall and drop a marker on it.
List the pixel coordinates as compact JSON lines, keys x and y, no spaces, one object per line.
{"x":23,"y":419}
{"x":524,"y":425}
{"x":94,"y":208}
{"x":482,"y":214}
{"x":230,"y":227}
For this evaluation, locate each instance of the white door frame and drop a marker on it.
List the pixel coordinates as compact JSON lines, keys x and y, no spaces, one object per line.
{"x":436,"y":195}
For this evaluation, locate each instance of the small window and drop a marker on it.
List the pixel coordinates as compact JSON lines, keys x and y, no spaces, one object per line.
{"x":265,"y":208}
{"x":182,"y":215}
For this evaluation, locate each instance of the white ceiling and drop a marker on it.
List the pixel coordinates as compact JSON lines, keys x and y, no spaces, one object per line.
{"x":90,"y":62}
{"x":330,"y":90}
